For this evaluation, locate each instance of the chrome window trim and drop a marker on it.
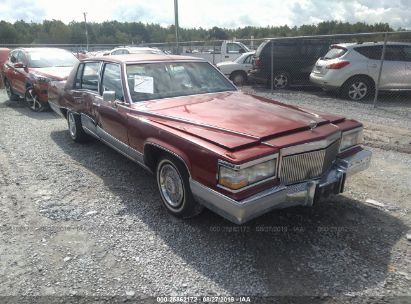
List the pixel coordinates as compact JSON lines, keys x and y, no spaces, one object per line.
{"x":359,"y":129}
{"x":174,"y":61}
{"x":311,"y":146}
{"x":222,"y":163}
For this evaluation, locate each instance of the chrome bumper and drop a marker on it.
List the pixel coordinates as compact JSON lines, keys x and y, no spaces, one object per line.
{"x":302,"y":194}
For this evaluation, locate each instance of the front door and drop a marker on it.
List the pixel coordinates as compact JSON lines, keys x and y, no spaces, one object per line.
{"x":112,"y":115}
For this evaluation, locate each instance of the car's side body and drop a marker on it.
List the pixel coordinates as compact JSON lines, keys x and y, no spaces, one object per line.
{"x":237,"y":70}
{"x":208,"y":133}
{"x":294,"y":58}
{"x":362,"y":60}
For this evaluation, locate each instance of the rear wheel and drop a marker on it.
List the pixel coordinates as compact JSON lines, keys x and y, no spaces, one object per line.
{"x":172,"y":181}
{"x":9,"y":90}
{"x":358,"y":89}
{"x":75,"y":127}
{"x":281,"y":80}
{"x":33,"y":101}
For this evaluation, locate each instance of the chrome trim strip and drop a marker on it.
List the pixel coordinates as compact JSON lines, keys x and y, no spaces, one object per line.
{"x":131,"y":152}
{"x":247,"y":187}
{"x":311,"y":146}
{"x":171,"y":152}
{"x":247,"y":164}
{"x":244,"y":166}
{"x":302,"y":194}
{"x":359,"y":129}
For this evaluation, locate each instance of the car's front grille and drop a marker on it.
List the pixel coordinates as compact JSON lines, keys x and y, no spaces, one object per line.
{"x":303,"y":166}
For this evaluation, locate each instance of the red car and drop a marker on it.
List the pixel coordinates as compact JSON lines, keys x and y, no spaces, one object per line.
{"x":4,"y":54}
{"x":28,"y":71}
{"x":208,"y":143}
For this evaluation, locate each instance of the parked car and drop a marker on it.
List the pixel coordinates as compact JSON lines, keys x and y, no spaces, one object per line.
{"x":28,"y":72}
{"x":237,"y":70}
{"x":133,"y":50}
{"x":208,"y":143}
{"x":4,"y":54}
{"x":352,"y":69}
{"x":227,"y":51}
{"x":293,"y":61}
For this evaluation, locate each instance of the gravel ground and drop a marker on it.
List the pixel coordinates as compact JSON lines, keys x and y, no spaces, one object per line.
{"x":82,"y":220}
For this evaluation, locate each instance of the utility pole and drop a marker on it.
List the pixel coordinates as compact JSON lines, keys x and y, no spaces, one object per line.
{"x":176,"y":23}
{"x":85,"y":26}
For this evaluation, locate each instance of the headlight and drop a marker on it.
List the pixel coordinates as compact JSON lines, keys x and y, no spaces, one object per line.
{"x":237,"y":177}
{"x":350,"y":139}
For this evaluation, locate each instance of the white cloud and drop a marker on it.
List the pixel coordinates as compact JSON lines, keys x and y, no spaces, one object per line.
{"x":206,"y":14}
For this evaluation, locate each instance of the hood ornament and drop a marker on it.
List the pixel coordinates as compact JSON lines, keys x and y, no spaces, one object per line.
{"x":312,"y":124}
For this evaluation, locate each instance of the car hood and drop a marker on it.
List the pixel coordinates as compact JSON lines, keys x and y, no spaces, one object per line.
{"x":54,"y":73}
{"x":232,"y":119}
{"x":225,"y":63}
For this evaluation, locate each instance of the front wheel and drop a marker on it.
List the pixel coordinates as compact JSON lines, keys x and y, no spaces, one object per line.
{"x":172,"y":181}
{"x":33,"y":101}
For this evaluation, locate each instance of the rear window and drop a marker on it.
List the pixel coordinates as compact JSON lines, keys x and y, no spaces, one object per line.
{"x":335,"y":52}
{"x":371,"y":52}
{"x":261,"y":47}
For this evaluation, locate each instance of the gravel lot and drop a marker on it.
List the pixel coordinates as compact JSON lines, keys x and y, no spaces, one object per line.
{"x":82,"y":220}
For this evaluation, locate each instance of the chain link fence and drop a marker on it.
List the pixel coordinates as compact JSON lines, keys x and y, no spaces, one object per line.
{"x":353,"y":66}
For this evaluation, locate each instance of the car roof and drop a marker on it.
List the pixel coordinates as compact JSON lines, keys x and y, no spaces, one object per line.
{"x":351,"y":45}
{"x":131,"y":58}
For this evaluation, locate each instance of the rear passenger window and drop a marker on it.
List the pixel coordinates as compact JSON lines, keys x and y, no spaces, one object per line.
{"x":112,"y":80}
{"x":407,"y":53}
{"x":394,"y":53}
{"x":371,"y":52}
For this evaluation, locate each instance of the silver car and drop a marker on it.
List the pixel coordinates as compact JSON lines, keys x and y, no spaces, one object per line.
{"x":352,"y":69}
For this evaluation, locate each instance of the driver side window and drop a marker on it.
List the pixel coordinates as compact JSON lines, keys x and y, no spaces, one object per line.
{"x":233,"y":48}
{"x":111,"y":80}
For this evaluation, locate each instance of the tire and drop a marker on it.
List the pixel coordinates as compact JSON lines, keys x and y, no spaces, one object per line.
{"x":281,"y":80}
{"x":358,"y":89}
{"x":238,"y":78}
{"x":75,"y":128}
{"x":174,"y":188}
{"x":9,"y":90}
{"x":33,"y":101}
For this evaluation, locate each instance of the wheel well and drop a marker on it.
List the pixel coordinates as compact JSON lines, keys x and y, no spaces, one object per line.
{"x":153,"y":154}
{"x":238,"y":72}
{"x":360,"y":76}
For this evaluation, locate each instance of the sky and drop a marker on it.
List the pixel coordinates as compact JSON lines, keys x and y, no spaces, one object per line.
{"x":209,"y":13}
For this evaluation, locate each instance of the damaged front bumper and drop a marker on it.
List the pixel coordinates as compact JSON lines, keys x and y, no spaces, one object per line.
{"x":282,"y":196}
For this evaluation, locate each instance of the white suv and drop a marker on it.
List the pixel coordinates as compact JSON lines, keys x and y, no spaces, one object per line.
{"x":352,"y":68}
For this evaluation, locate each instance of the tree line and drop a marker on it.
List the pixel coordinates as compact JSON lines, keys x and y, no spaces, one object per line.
{"x":121,"y":33}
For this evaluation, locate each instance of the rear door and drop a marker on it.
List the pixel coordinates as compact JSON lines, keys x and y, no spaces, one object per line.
{"x":407,"y":74}
{"x":393,"y":72}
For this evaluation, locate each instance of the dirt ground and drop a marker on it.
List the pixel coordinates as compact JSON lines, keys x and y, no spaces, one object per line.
{"x":83,"y":222}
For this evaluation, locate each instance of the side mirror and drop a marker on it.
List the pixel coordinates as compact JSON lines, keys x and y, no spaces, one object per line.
{"x":241,"y":51}
{"x":19,"y":65}
{"x":109,"y":96}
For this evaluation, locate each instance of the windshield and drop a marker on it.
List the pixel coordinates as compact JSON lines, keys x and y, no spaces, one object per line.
{"x":51,"y":58}
{"x":170,"y":79}
{"x":335,"y":52}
